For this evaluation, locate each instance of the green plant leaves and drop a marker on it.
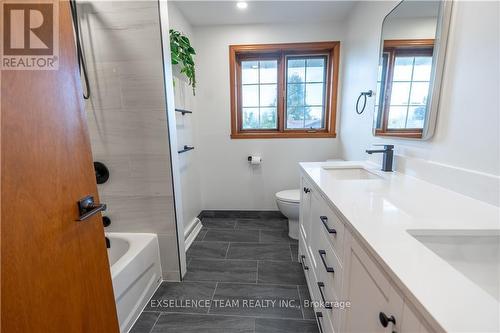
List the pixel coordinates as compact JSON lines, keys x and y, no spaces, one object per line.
{"x":182,"y":54}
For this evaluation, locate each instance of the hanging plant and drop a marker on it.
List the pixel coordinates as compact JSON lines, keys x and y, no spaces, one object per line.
{"x":182,"y":54}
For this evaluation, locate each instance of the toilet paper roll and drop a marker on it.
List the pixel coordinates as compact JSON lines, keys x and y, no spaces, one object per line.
{"x":254,"y":160}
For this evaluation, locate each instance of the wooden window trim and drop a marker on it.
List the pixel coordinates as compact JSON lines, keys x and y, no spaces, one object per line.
{"x":332,"y":49}
{"x":392,"y":47}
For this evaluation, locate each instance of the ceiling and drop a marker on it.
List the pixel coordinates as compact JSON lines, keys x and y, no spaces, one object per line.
{"x":260,"y":12}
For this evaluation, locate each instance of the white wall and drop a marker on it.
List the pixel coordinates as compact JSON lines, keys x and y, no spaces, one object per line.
{"x":127,"y":119}
{"x":464,"y":152}
{"x":227,"y":180}
{"x":186,"y":129}
{"x":410,"y":28}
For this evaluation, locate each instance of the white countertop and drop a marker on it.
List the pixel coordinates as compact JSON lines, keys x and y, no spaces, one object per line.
{"x":381,"y":211}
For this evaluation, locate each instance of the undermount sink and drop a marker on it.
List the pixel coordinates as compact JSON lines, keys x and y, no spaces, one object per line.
{"x":476,"y":256}
{"x":349,"y":173}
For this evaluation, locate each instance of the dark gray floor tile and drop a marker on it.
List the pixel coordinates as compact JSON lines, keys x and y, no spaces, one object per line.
{"x":181,"y":297}
{"x":227,"y":235}
{"x":273,"y":224}
{"x":242,"y":214}
{"x":256,"y":300}
{"x":305,"y":299}
{"x":281,"y":272}
{"x":266,"y":325}
{"x":295,"y":251}
{"x":145,"y":322}
{"x":271,"y":214}
{"x":201,"y":235}
{"x":256,"y":251}
{"x":222,"y":270}
{"x":207,"y":250}
{"x":216,"y":222}
{"x":192,"y":323}
{"x":275,"y":236}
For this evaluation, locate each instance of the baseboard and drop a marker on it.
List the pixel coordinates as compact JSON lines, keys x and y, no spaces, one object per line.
{"x":247,"y":214}
{"x":192,"y":232}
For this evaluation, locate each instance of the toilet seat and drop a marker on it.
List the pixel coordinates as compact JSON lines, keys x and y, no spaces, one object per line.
{"x":291,"y":196}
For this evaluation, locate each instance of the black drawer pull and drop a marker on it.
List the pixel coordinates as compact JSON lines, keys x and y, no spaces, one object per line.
{"x":327,"y":304}
{"x":322,"y":253}
{"x":318,"y":316}
{"x":384,"y":320}
{"x":302,"y":257}
{"x":324,"y":219}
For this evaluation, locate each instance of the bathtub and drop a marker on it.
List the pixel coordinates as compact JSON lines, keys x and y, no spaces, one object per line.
{"x":136,"y":273}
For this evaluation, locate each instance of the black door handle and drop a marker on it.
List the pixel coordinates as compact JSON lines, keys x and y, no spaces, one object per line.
{"x":322,"y":253}
{"x":327,"y":304}
{"x":324,"y":219}
{"x":384,"y":320}
{"x":318,"y":316}
{"x":307,"y":190}
{"x":87,"y":208}
{"x":302,"y":257}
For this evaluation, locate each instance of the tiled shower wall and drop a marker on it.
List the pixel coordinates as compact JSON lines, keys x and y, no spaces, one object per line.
{"x":127,"y":119}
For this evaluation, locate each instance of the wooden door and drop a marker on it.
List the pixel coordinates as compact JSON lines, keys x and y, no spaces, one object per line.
{"x":54,"y":270}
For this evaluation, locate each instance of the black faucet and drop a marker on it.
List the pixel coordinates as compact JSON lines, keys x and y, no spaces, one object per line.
{"x":388,"y":156}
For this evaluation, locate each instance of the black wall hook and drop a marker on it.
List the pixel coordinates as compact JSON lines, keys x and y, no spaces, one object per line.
{"x":364,"y":94}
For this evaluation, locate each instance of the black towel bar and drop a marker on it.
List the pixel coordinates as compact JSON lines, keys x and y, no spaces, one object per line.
{"x":183,"y":111}
{"x":186,"y":148}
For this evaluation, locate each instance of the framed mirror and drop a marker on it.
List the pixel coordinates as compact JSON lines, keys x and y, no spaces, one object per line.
{"x":412,"y":52}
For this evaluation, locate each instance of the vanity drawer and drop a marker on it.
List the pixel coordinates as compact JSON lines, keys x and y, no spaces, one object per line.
{"x":305,"y":260}
{"x":327,"y":266}
{"x":325,"y":218}
{"x":328,"y":319}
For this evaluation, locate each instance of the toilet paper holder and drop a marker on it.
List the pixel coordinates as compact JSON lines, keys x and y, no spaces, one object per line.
{"x":249,"y":158}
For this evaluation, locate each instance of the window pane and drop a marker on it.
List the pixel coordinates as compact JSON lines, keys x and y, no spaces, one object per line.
{"x":314,"y":117}
{"x":268,"y":95}
{"x":397,"y":117}
{"x":296,"y":70}
{"x":314,"y":93}
{"x":422,"y":70}
{"x":419,"y":92}
{"x":416,"y":117}
{"x":400,"y":93}
{"x":403,"y":67}
{"x":315,"y":70}
{"x":268,"y":118}
{"x":250,"y":118}
{"x":295,"y":94}
{"x":269,"y":71}
{"x":250,"y":95}
{"x":295,"y":117}
{"x":249,"y":72}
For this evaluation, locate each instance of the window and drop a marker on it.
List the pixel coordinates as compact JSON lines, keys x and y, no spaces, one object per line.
{"x":284,"y":90}
{"x":403,"y":82}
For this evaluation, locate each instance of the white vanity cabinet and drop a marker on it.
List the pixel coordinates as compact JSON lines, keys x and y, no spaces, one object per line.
{"x":370,"y":293}
{"x":338,"y":268}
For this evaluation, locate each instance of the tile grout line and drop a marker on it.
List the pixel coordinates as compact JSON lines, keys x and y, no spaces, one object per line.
{"x":212,"y":299}
{"x":227,"y":250}
{"x":156,"y":321}
{"x":257,"y":273}
{"x":301,"y":305}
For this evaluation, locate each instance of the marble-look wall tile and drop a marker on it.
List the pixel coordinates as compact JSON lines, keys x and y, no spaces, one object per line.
{"x":127,"y":119}
{"x":140,"y":214}
{"x":168,"y":255}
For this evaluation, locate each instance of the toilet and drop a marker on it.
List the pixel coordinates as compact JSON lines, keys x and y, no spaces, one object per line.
{"x":288,"y":202}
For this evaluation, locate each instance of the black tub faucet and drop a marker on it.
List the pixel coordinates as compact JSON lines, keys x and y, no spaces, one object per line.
{"x":388,"y":152}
